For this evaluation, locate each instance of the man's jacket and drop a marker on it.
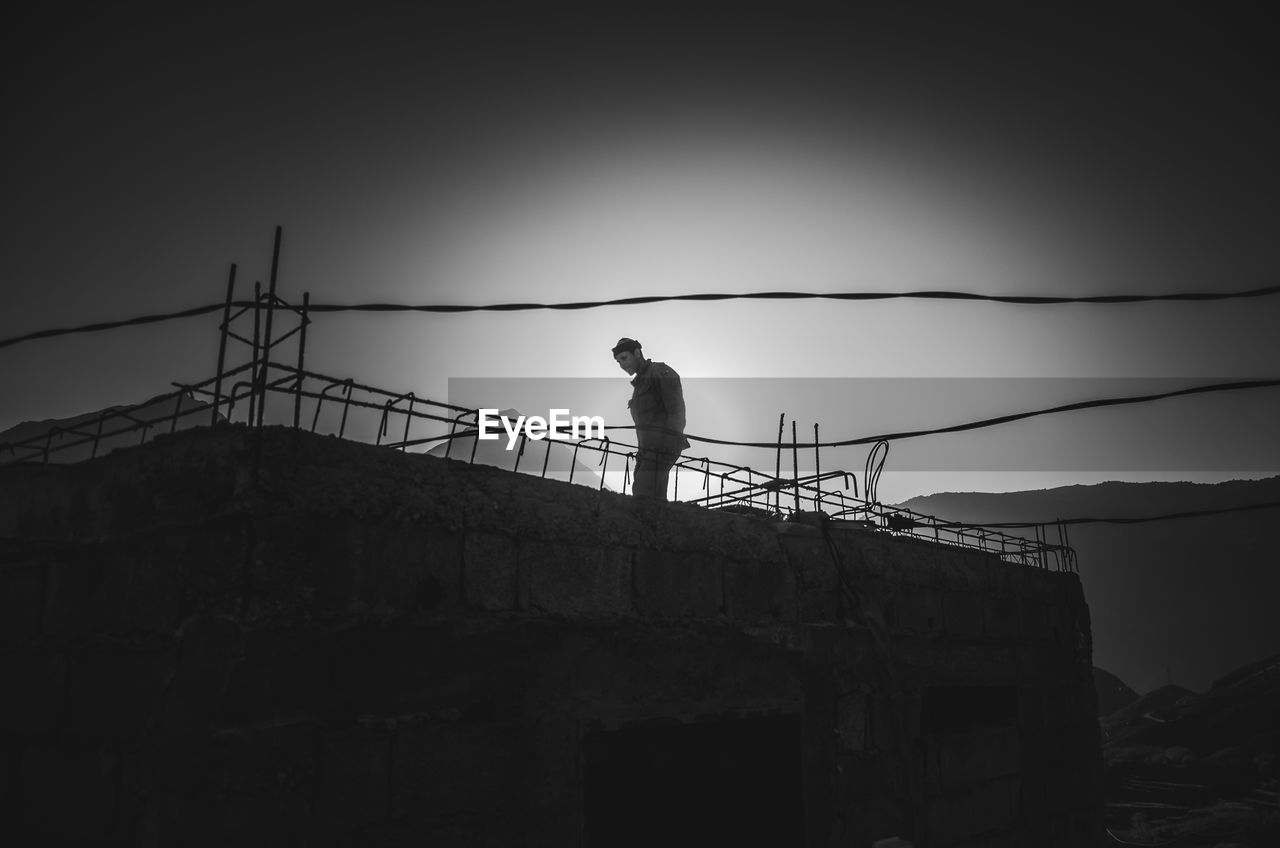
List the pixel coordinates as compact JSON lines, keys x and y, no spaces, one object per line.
{"x":657,"y":406}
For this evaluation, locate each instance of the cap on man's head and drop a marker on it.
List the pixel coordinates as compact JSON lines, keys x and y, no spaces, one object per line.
{"x":625,"y":343}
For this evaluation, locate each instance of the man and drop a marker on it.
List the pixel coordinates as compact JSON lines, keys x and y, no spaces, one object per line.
{"x":657,"y":409}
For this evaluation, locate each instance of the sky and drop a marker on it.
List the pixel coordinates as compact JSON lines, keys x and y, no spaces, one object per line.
{"x":548,"y":153}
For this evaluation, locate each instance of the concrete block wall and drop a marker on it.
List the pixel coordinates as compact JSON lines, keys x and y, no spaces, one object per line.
{"x":234,"y":636}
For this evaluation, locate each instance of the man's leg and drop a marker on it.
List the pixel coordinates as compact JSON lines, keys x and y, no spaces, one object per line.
{"x":652,"y":472}
{"x":662,"y":472}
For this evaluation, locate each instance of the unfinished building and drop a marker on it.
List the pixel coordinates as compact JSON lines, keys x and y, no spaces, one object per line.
{"x":252,"y":636}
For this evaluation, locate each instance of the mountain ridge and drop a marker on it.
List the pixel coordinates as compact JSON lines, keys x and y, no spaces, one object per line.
{"x":1178,"y":600}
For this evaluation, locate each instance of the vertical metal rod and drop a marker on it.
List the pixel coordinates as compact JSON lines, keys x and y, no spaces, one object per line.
{"x":222,"y":343}
{"x":408,"y":419}
{"x":97,"y":436}
{"x":675,"y":495}
{"x":817,"y":468}
{"x":604,"y":466}
{"x":302,"y":352}
{"x":271,"y":311}
{"x":795,"y":465}
{"x":777,"y":468}
{"x":382,"y":422}
{"x":453,"y":428}
{"x":253,"y":368}
{"x":177,"y":407}
{"x":346,"y":406}
{"x":519,"y":453}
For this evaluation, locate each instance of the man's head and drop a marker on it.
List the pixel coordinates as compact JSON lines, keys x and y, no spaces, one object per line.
{"x":628,"y":355}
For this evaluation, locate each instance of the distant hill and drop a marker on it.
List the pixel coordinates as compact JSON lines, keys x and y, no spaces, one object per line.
{"x":71,"y":439}
{"x":1149,"y":710}
{"x":1198,"y":765}
{"x":1171,"y":600}
{"x":1113,"y":693}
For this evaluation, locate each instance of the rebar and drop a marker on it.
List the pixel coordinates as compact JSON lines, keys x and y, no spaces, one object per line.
{"x":302,"y":352}
{"x":271,"y":311}
{"x":222,"y":342}
{"x":257,"y":320}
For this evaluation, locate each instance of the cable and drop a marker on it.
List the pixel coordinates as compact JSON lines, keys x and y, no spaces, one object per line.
{"x":111,"y":325}
{"x":782,"y":295}
{"x":635,"y":301}
{"x":1002,"y":419}
{"x":1237,"y":385}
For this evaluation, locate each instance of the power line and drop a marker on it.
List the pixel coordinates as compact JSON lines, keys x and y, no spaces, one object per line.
{"x":111,"y":325}
{"x":636,"y":301}
{"x":1004,"y":419}
{"x":782,"y":295}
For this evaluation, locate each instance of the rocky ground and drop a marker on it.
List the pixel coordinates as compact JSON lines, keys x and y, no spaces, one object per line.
{"x":1197,"y":770}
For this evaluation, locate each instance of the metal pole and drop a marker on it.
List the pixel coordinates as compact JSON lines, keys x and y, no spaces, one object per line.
{"x":302,"y":352}
{"x":382,"y":424}
{"x":604,"y":466}
{"x":795,"y":465}
{"x":817,"y":468}
{"x":346,"y":406}
{"x":222,"y":344}
{"x":777,"y":469}
{"x":519,"y":453}
{"x":453,"y":428}
{"x":253,"y":370}
{"x":266,"y":336}
{"x":408,"y":419}
{"x":177,"y":408}
{"x":97,"y":436}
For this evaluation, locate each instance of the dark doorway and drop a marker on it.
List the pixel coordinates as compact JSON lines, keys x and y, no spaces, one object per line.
{"x":731,"y":782}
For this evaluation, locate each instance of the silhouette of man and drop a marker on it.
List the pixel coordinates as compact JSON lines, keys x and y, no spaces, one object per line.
{"x":657,"y":409}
